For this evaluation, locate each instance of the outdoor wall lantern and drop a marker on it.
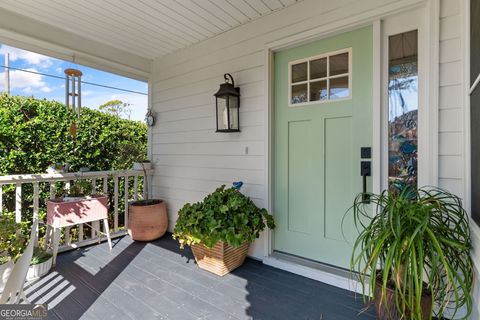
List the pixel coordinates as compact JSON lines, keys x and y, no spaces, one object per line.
{"x":228,"y":106}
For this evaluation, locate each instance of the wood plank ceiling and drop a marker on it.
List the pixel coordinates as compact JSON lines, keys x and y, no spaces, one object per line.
{"x":147,"y":28}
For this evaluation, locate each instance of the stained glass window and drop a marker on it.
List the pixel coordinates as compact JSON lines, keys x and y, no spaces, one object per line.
{"x":403,"y":110}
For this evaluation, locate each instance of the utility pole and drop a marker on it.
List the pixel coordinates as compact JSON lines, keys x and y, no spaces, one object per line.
{"x":7,"y":73}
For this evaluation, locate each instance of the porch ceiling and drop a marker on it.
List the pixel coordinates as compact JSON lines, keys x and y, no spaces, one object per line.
{"x":145,"y":28}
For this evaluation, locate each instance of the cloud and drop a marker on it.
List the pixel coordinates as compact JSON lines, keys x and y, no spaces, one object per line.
{"x":31,"y":58}
{"x":28,"y":83}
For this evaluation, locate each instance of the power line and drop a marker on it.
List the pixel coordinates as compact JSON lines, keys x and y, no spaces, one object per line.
{"x":83,"y":82}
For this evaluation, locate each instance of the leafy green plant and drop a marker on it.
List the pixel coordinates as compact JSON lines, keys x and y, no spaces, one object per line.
{"x":4,"y":259}
{"x":130,"y":152}
{"x":12,"y":241}
{"x":39,"y":256}
{"x":416,"y":243}
{"x":224,"y":215}
{"x":79,"y":188}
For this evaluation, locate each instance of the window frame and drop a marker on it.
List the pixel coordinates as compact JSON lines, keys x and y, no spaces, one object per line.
{"x":326,"y":78}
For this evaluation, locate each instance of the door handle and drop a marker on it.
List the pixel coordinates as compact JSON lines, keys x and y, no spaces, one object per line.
{"x":365,"y":171}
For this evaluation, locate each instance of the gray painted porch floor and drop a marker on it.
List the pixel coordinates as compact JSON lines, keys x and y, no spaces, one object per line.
{"x":159,"y":281}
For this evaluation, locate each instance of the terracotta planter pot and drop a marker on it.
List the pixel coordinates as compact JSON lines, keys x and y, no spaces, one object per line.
{"x":387,"y":310}
{"x":147,"y":220}
{"x":221,"y":259}
{"x":39,"y":270}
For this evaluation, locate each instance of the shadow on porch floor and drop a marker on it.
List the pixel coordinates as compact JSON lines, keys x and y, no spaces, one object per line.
{"x":159,"y":281}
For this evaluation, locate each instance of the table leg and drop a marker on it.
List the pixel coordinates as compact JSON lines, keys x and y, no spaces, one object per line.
{"x":107,"y":232}
{"x":56,"y":241}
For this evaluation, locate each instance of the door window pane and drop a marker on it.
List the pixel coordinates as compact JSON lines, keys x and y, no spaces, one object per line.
{"x":339,"y":88}
{"x":299,"y":72}
{"x":321,"y":78}
{"x":339,"y":64}
{"x":318,"y":68}
{"x":299,"y":93}
{"x":318,"y":90}
{"x":403,"y":110}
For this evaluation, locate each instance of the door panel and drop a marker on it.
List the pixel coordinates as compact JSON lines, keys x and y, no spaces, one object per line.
{"x":299,"y":203}
{"x":317,"y":145}
{"x":338,"y":173}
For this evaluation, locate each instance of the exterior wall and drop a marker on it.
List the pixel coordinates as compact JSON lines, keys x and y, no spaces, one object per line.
{"x":191,"y":159}
{"x":451,"y":100}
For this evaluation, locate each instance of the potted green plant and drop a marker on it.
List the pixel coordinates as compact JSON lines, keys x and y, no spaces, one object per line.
{"x":220,"y":228}
{"x":79,"y":190}
{"x":147,"y":218}
{"x":12,"y":244}
{"x":412,"y":255}
{"x":40,"y":265}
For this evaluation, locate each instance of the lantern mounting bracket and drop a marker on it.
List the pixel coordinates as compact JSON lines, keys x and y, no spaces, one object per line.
{"x":229,"y":79}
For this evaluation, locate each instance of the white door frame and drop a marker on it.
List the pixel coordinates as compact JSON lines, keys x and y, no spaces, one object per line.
{"x":427,"y":94}
{"x":430,"y":9}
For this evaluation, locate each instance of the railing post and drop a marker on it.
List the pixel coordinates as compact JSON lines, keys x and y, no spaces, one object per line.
{"x":1,"y":199}
{"x":105,"y":185}
{"x":115,"y":203}
{"x":18,"y":202}
{"x":35,"y":206}
{"x":135,"y":188}
{"x":105,"y":192}
{"x":52,"y":190}
{"x":95,"y":224}
{"x":145,"y":184}
{"x":80,"y":232}
{"x":126,"y":202}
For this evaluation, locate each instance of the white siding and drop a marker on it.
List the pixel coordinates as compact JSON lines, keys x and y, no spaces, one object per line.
{"x":191,"y":159}
{"x":452,"y":126}
{"x":452,"y":102}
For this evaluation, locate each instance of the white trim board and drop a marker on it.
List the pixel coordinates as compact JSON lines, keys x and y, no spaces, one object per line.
{"x":316,"y":274}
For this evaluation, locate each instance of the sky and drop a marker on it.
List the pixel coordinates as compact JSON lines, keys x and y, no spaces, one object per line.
{"x":39,"y":86}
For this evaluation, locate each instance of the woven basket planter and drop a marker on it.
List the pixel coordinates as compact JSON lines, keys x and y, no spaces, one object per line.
{"x":220,"y":259}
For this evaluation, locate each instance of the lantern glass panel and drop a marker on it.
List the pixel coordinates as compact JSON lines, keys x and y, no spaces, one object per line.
{"x":222,"y":114}
{"x":233,"y":112}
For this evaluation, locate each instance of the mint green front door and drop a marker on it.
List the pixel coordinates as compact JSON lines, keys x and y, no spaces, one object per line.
{"x":322,"y":117}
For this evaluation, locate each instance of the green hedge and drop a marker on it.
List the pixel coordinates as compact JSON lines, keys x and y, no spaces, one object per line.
{"x":35,"y":133}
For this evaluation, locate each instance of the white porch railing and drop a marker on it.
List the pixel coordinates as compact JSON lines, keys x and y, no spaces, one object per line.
{"x":119,"y":228}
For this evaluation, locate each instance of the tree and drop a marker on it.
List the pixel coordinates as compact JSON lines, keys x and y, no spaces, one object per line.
{"x":117,"y":108}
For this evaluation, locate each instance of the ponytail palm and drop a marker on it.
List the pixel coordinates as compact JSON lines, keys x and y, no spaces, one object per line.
{"x":416,"y":243}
